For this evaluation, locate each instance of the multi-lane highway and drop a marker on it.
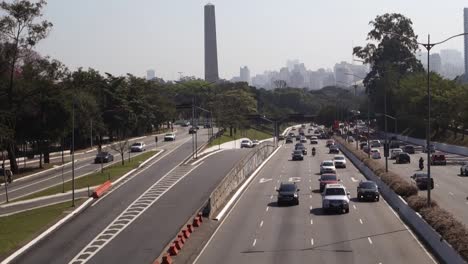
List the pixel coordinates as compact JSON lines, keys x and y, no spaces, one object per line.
{"x":83,"y":164}
{"x":450,"y":190}
{"x":136,"y":220}
{"x":257,"y":230}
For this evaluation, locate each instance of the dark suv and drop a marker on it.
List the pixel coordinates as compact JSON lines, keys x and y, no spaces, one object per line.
{"x":334,"y":149}
{"x":368,"y":190}
{"x":288,"y":193}
{"x":403,"y":157}
{"x":420,"y":178}
{"x":408,"y":149}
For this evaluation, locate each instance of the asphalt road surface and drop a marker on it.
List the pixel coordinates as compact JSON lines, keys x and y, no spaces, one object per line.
{"x":450,"y":188}
{"x":258,"y":231}
{"x":84,"y":164}
{"x":142,"y":239}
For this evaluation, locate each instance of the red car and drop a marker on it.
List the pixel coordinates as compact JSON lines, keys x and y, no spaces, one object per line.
{"x":438,"y":158}
{"x":328,"y":178}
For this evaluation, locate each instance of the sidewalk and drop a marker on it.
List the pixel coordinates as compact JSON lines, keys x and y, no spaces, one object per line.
{"x":234,"y":144}
{"x":21,"y":206}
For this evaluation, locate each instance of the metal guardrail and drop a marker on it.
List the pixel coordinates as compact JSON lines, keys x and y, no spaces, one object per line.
{"x":237,"y":175}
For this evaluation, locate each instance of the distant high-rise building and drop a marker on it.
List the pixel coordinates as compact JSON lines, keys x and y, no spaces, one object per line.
{"x":244,"y":74}
{"x":150,"y":74}
{"x":436,"y":63}
{"x":465,"y":11}
{"x":211,"y":51}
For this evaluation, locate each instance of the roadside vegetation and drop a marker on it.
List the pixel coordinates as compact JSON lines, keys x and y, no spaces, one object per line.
{"x":112,"y":173}
{"x":450,"y":229}
{"x":18,"y":229}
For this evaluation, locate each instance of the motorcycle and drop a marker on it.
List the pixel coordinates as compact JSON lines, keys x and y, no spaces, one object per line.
{"x":421,"y":165}
{"x":313,"y":151}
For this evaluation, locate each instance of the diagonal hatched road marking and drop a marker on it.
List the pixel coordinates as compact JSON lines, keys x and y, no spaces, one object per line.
{"x":132,"y":212}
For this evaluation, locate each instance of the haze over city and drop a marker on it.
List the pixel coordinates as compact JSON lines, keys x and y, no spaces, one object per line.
{"x":124,"y":37}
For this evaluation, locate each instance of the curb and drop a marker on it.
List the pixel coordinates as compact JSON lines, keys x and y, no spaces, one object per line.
{"x":46,"y":233}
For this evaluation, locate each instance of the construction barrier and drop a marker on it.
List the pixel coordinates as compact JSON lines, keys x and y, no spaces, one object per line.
{"x":101,"y":189}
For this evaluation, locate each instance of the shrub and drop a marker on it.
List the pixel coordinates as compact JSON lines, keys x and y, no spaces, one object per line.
{"x":453,"y":231}
{"x":418,"y":202}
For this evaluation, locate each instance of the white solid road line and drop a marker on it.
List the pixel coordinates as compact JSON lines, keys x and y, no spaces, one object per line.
{"x":411,"y":232}
{"x":47,"y":232}
{"x":244,"y":186}
{"x":312,"y":242}
{"x":206,"y":156}
{"x":370,"y":240}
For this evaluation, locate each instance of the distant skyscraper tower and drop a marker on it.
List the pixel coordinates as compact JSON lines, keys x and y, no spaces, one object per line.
{"x":244,"y":74}
{"x":465,"y":12}
{"x":150,"y":74}
{"x":211,"y":52}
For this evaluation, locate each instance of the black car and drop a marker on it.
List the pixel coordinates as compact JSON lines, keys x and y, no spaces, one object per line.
{"x":103,"y":157}
{"x":207,"y":125}
{"x":288,"y":193}
{"x":297,"y":155}
{"x":368,"y":190}
{"x":403,"y":157}
{"x":421,"y":180}
{"x":464,"y":170}
{"x":289,"y":140}
{"x":408,"y":149}
{"x":334,"y":149}
{"x":298,"y":137}
{"x":192,"y":130}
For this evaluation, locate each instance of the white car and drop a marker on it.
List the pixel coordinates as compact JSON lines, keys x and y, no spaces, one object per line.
{"x":340,"y":161}
{"x":327,"y":166}
{"x":246,"y":143}
{"x":170,"y":137}
{"x":138,"y":147}
{"x":394,"y":152}
{"x":314,"y":140}
{"x":335,"y":197}
{"x":375,"y":153}
{"x":375,"y":143}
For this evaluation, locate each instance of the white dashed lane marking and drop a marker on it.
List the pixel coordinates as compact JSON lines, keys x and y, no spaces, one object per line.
{"x":312,"y":241}
{"x":360,"y":221}
{"x":370,"y":240}
{"x":267,"y":209}
{"x":261,"y":223}
{"x":354,"y":206}
{"x":132,"y":212}
{"x":311,"y":221}
{"x":254,"y":242}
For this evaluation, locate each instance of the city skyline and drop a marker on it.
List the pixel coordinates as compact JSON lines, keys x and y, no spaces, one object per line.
{"x":120,"y":38}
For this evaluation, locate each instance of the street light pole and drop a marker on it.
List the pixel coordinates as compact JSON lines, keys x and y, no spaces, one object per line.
{"x":428,"y":131}
{"x":385,"y":123}
{"x":73,"y":153}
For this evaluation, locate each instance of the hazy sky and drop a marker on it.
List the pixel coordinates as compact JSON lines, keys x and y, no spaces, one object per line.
{"x":124,"y":36}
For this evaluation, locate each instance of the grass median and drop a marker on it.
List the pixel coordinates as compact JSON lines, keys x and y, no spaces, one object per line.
{"x":18,"y":229}
{"x":112,"y":173}
{"x":248,"y":133}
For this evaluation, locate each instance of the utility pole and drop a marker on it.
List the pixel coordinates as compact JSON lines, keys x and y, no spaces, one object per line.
{"x":73,"y":153}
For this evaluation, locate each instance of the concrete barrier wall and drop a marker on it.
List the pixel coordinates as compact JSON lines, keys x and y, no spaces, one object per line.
{"x":439,"y":146}
{"x":237,"y":175}
{"x":439,"y":247}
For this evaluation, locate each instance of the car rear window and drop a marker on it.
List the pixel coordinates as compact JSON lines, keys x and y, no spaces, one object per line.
{"x":339,"y":158}
{"x":327,"y":164}
{"x":335,"y":191}
{"x":329,"y":178}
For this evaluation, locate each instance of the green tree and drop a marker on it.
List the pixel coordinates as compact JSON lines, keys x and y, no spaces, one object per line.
{"x":19,"y":32}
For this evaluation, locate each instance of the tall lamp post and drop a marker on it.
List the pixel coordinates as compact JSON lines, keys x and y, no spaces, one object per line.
{"x":428,"y":46}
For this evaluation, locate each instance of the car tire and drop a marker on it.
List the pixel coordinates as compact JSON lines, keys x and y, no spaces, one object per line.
{"x":346,"y":210}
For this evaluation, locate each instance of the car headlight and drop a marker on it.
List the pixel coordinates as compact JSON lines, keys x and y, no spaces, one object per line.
{"x":295,"y":195}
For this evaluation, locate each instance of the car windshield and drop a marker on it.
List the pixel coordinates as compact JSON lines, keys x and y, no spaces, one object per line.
{"x":327,"y":163}
{"x":169,"y":135}
{"x":245,"y":141}
{"x":335,"y":191}
{"x":368,"y":185}
{"x":136,"y":144}
{"x":287,"y":188}
{"x":329,"y":178}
